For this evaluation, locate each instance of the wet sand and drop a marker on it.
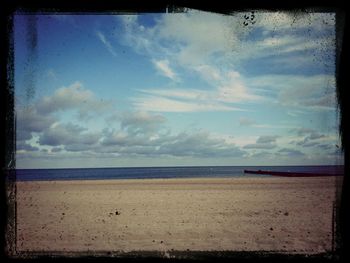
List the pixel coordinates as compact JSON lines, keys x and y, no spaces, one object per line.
{"x":292,"y":215}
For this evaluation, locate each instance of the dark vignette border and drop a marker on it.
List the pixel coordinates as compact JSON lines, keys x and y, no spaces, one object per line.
{"x":8,"y":140}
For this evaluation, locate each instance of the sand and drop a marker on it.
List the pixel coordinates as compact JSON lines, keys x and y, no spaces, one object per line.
{"x":292,"y":215}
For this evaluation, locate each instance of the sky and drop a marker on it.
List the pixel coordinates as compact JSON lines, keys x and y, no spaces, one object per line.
{"x":192,"y":88}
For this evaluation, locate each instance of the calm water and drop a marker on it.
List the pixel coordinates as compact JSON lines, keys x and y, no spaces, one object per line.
{"x":161,"y":172}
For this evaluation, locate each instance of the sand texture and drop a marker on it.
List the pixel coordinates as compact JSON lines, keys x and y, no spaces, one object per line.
{"x":236,"y":214}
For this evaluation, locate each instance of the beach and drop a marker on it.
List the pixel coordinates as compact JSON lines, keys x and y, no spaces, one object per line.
{"x":277,"y":214}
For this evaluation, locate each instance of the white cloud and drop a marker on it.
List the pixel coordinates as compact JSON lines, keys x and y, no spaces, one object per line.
{"x":210,"y":44}
{"x":43,"y":120}
{"x":287,"y":37}
{"x":272,"y":126}
{"x":75,"y":96}
{"x":162,"y":104}
{"x":199,"y":38}
{"x":163,"y":67}
{"x":263,"y":142}
{"x":197,"y":35}
{"x":68,"y":134}
{"x":199,"y":144}
{"x":311,"y":138}
{"x":142,"y":39}
{"x":315,"y":92}
{"x":186,"y":39}
{"x":286,"y":44}
{"x":239,"y":140}
{"x":209,"y":73}
{"x":141,"y":122}
{"x":233,"y":89}
{"x":267,"y":139}
{"x":288,"y":50}
{"x":243,"y":121}
{"x":107,"y":44}
{"x":184,"y":94}
{"x":265,"y":146}
{"x":227,"y":88}
{"x":30,"y":120}
{"x":288,"y":152}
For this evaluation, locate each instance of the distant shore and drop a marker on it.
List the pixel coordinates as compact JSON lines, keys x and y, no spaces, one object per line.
{"x":292,"y":215}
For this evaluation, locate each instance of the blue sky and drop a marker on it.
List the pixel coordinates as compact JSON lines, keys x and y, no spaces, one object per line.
{"x":192,"y":88}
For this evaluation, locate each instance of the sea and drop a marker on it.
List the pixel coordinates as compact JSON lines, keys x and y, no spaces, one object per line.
{"x":160,"y":172}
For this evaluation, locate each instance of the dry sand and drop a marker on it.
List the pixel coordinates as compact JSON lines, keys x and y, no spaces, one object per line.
{"x":236,"y":214}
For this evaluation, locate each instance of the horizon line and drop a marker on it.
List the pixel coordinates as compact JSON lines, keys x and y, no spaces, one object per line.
{"x":175,"y":166}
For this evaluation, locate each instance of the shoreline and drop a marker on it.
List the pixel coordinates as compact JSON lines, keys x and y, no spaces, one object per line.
{"x":177,"y":214}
